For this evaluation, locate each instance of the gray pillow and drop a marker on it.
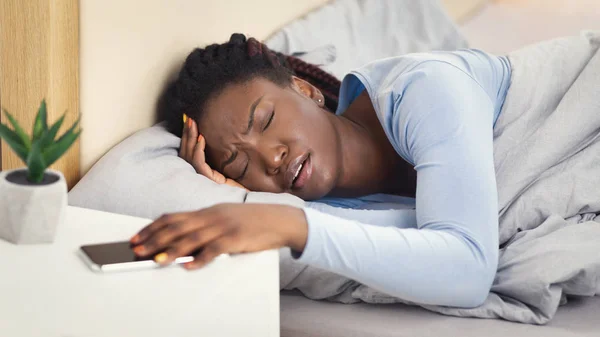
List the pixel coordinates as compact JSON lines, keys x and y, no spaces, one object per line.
{"x":143,"y":176}
{"x":361,"y":31}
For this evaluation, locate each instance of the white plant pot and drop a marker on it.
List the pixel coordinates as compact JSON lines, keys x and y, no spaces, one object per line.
{"x":30,"y":213}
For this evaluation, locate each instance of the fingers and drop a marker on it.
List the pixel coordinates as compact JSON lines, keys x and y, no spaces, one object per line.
{"x":218,"y":177}
{"x":200,"y":163}
{"x":212,"y":250}
{"x":191,"y":242}
{"x":192,"y":150}
{"x":188,"y":138}
{"x":163,"y":238}
{"x":192,"y":136}
{"x":156,"y":226}
{"x":199,"y":159}
{"x":184,"y":138}
{"x":193,"y":146}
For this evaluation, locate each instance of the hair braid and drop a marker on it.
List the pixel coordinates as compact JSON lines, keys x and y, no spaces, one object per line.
{"x":206,"y":72}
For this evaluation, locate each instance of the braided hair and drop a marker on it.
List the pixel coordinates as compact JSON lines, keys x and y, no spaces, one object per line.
{"x":206,"y":72}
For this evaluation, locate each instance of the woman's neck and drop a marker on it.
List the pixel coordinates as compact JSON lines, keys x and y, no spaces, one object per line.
{"x":369,"y":162}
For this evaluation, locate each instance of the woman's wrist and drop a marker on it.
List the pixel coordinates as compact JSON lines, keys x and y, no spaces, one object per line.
{"x":295,"y":228}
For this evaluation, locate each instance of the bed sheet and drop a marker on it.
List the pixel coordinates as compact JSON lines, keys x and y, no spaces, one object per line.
{"x":301,"y":317}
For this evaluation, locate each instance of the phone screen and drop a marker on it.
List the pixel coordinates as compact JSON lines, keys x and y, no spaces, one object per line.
{"x":112,"y":253}
{"x":118,"y":256}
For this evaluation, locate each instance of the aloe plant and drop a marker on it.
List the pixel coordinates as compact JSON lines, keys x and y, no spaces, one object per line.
{"x":42,"y":149}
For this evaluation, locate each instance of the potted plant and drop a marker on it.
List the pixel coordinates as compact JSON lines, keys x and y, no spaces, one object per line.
{"x":33,"y":200}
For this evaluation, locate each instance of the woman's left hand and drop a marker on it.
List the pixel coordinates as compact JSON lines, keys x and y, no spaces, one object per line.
{"x":221,"y":229}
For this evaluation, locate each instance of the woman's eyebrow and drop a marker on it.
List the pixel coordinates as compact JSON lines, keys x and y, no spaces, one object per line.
{"x":252,"y":111}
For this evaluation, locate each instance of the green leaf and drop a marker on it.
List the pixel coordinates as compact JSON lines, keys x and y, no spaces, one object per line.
{"x":48,"y":136}
{"x":41,"y":121}
{"x":56,"y":150}
{"x":19,"y":131}
{"x":36,"y":164}
{"x":71,"y":129}
{"x":10,"y":135}
{"x":14,"y":141}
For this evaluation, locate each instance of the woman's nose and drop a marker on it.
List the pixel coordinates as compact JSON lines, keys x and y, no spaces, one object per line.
{"x":274,"y":158}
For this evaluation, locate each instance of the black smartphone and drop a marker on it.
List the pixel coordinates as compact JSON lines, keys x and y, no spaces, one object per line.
{"x":118,"y":256}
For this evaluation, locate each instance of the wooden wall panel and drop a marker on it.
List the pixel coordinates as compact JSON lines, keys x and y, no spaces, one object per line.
{"x":39,"y":58}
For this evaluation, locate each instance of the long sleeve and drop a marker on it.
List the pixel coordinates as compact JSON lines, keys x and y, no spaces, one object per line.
{"x":441,"y":122}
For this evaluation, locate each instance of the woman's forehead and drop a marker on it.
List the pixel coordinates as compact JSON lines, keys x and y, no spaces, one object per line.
{"x":232,"y":107}
{"x":223,"y":121}
{"x":226,"y":116}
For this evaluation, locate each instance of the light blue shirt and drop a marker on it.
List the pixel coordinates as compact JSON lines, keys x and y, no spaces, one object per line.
{"x":438,"y":111}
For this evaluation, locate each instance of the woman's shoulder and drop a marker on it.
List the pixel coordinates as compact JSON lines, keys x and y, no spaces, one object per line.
{"x":386,"y":79}
{"x":385,"y":71}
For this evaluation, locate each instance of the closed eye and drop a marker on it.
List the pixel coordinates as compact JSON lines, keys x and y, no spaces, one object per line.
{"x":243,"y":173}
{"x":269,"y":121}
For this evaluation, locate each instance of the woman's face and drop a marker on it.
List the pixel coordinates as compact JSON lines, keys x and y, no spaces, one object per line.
{"x":273,"y":139}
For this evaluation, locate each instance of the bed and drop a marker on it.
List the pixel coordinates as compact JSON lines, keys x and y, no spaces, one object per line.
{"x":127,"y":54}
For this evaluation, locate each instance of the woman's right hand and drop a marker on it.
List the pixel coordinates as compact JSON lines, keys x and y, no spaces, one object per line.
{"x":192,"y":150}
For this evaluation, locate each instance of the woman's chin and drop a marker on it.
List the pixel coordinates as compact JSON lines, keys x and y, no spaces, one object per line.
{"x":310,"y":194}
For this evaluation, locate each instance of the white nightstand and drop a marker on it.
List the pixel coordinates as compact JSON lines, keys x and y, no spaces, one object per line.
{"x":46,"y":290}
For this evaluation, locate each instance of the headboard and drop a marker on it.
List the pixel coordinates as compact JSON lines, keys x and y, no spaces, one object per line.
{"x":128,"y":50}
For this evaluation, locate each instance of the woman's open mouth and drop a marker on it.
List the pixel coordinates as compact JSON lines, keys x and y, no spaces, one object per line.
{"x":303,"y":173}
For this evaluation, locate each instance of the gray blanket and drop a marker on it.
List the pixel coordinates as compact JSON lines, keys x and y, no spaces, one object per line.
{"x":547,"y":160}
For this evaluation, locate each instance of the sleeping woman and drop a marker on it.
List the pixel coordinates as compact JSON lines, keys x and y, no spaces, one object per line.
{"x":416,"y":127}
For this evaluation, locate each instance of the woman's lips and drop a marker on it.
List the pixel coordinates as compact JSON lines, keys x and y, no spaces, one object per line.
{"x":304,"y":175}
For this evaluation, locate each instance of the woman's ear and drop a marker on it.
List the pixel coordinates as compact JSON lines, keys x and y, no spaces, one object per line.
{"x":308,"y":90}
